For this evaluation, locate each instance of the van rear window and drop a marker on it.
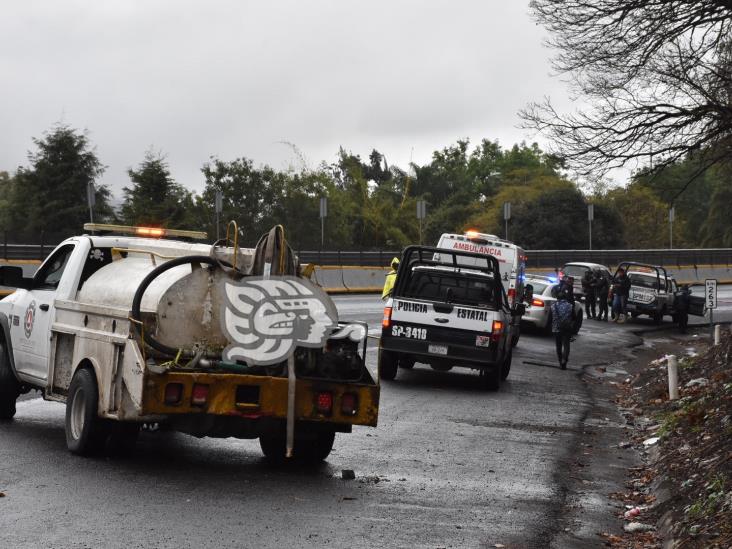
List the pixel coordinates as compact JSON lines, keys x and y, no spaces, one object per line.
{"x":451,"y":287}
{"x":575,"y":271}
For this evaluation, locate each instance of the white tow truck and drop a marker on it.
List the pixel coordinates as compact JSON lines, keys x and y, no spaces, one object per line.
{"x":142,"y":326}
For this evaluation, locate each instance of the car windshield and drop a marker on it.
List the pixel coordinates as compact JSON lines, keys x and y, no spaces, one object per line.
{"x":574,"y":270}
{"x":539,"y":287}
{"x":463,"y":289}
{"x":644,"y":281}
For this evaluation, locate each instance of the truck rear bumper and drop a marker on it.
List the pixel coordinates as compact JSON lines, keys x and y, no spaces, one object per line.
{"x":259,"y":397}
{"x":455,"y":355}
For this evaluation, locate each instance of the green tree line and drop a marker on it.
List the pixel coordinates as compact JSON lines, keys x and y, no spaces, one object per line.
{"x":371,"y":204}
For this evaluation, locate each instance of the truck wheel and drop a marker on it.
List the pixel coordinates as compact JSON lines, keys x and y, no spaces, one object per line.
{"x":406,"y":363}
{"x":306,"y":450}
{"x":9,"y":386}
{"x":658,"y":317}
{"x":86,"y":432}
{"x":578,"y":323}
{"x":388,"y":365}
{"x":506,"y":366}
{"x":490,"y":378}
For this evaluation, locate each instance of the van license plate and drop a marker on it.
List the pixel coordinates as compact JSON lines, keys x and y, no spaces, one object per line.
{"x":437,"y":349}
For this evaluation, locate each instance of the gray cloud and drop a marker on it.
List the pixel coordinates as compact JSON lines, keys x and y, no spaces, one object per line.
{"x":236,"y":78}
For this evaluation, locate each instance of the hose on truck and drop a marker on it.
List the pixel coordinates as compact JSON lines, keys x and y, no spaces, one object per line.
{"x":136,"y":316}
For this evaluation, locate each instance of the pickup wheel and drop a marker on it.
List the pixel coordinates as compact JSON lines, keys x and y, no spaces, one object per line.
{"x":490,"y":378}
{"x":506,"y":366}
{"x":86,"y":432}
{"x":306,"y":450}
{"x":9,"y":386}
{"x":388,"y":365}
{"x":658,"y":317}
{"x":406,"y":362}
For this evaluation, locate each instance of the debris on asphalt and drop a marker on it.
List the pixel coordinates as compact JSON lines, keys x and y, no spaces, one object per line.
{"x":651,"y":441}
{"x":632,"y":513}
{"x":2,"y":494}
{"x":348,"y":474}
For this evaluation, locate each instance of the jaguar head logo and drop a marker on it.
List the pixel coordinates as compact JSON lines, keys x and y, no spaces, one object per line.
{"x":265,"y":319}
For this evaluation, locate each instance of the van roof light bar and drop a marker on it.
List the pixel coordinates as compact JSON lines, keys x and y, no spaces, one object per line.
{"x":145,"y":232}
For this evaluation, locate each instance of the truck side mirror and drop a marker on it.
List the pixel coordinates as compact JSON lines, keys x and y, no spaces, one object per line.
{"x":12,"y":277}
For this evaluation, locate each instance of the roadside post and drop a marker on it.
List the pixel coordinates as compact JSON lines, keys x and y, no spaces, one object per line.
{"x":710,"y":301}
{"x":218,"y":206}
{"x":421,"y":214}
{"x":506,"y":215}
{"x":323,"y":215}
{"x":671,"y":217}
{"x":672,"y":364}
{"x":590,"y":218}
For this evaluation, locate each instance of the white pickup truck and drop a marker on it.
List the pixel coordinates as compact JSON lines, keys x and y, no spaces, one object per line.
{"x":131,"y":329}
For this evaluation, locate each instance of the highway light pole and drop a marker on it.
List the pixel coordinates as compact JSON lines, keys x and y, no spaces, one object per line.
{"x":671,"y":216}
{"x":323,"y":215}
{"x":91,"y":199}
{"x":590,"y":218}
{"x":421,"y":214}
{"x":218,"y":206}
{"x":506,"y":215}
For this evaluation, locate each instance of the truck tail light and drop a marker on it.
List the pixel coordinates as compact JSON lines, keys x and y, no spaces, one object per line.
{"x":325,"y":402}
{"x":199,"y":395}
{"x":349,"y":404}
{"x":511,"y":293}
{"x":173,"y":393}
{"x":386,"y":321}
{"x":497,"y":330}
{"x":537,"y":302}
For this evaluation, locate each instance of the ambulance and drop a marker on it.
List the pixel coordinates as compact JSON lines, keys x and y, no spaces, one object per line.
{"x":511,"y":261}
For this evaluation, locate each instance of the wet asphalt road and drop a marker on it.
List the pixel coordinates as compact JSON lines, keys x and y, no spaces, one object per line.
{"x":449,"y":465}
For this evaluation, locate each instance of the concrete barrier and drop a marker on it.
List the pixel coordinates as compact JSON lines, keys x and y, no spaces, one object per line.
{"x":349,"y":279}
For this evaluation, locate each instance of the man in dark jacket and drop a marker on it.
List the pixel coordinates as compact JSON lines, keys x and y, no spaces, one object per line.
{"x":602,"y":289}
{"x":621,"y":289}
{"x":588,"y":287}
{"x":681,"y":304}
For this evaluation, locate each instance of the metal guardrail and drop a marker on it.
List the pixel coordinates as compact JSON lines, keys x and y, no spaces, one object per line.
{"x":536,"y":258}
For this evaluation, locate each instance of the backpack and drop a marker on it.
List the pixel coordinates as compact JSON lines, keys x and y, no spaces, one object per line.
{"x":562,"y":313}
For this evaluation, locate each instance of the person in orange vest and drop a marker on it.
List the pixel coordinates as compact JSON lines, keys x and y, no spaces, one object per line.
{"x":390,"y":279}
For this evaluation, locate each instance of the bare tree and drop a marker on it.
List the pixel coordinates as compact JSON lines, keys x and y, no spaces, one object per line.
{"x":656,"y":76}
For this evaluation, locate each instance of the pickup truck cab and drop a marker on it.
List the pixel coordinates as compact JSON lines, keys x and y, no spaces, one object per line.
{"x":129,"y":330}
{"x":652,"y":291}
{"x":446,"y":314}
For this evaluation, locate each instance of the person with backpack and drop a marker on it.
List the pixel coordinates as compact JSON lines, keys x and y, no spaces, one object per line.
{"x":562,"y":323}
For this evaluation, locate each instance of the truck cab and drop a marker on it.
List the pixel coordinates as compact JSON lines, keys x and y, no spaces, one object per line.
{"x":652,"y":290}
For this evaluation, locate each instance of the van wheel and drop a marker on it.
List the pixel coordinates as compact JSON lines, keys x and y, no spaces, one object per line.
{"x":490,"y":378}
{"x":388,"y":365}
{"x":306,"y":450}
{"x":9,"y":386}
{"x":506,"y":366}
{"x":86,"y":432}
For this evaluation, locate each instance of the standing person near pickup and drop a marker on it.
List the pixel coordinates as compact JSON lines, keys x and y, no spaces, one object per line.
{"x":681,"y":304}
{"x":588,"y":288}
{"x":602,"y":289}
{"x":390,"y":279}
{"x":621,"y":289}
{"x":563,"y":322}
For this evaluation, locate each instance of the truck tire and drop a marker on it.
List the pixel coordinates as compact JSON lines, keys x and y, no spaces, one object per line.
{"x":406,"y":362}
{"x":506,"y":366}
{"x":306,"y":450}
{"x":490,"y":378}
{"x":388,"y":365}
{"x":9,"y":386}
{"x":658,"y":317}
{"x":86,"y":432}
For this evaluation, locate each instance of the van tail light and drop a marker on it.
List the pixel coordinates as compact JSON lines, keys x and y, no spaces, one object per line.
{"x":386,"y":321}
{"x":199,"y":395}
{"x":349,"y":404}
{"x":325,"y":403}
{"x":537,"y":302}
{"x":497,"y":330}
{"x":173,"y":393}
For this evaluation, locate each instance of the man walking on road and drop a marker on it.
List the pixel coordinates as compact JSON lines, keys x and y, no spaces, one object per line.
{"x":390,"y":279}
{"x":562,"y":324}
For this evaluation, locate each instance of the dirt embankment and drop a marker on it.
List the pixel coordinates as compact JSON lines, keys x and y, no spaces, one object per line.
{"x":682,"y":494}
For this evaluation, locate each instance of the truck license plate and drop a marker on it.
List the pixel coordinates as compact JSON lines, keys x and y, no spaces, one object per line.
{"x":437,"y":349}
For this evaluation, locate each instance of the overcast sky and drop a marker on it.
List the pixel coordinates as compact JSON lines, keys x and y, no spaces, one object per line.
{"x":237,"y":78}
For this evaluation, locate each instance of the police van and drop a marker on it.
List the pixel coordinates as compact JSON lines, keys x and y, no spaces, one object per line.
{"x":511,"y":261}
{"x":448,"y":309}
